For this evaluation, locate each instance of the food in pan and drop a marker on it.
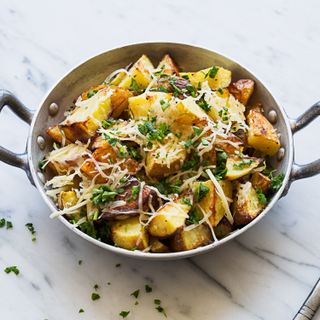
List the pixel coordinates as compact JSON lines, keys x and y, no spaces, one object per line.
{"x":159,"y":160}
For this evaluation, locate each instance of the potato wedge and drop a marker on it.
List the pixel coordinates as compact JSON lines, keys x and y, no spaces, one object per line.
{"x":262,"y":135}
{"x":120,"y":213}
{"x":56,"y":134}
{"x":83,"y":123}
{"x":129,"y":234}
{"x":139,"y":75}
{"x":223,"y":229}
{"x":231,"y":144}
{"x":187,"y":112}
{"x":257,"y":106}
{"x":212,"y":202}
{"x":238,"y":167}
{"x":107,"y":156}
{"x":221,"y":79}
{"x":242,"y":90}
{"x":167,"y":160}
{"x":170,"y":218}
{"x":259,"y":180}
{"x":140,"y":105}
{"x":157,"y":246}
{"x":246,"y":205}
{"x":67,"y":159}
{"x":168,"y":66}
{"x":67,"y":199}
{"x":188,"y":240}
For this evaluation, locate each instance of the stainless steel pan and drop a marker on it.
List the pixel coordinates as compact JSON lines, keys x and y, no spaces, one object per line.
{"x":189,"y":58}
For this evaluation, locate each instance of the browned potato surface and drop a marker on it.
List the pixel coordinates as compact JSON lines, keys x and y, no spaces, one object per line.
{"x":157,"y":246}
{"x":259,"y":180}
{"x":261,"y":135}
{"x":168,"y":65}
{"x":55,"y":133}
{"x":242,"y":90}
{"x":67,"y":199}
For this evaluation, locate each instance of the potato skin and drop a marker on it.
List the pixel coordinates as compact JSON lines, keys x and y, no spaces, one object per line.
{"x":222,"y":143}
{"x":170,"y":66}
{"x":188,"y":240}
{"x":157,"y":246}
{"x":261,"y":135}
{"x":242,"y":90}
{"x":55,"y":133}
{"x":257,"y":107}
{"x":223,"y":228}
{"x":67,"y":199}
{"x":119,"y":213}
{"x":259,"y":180}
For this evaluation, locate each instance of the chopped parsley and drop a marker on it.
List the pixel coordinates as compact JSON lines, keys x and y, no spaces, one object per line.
{"x":178,"y":135}
{"x":80,"y":261}
{"x":197,"y":131}
{"x":158,"y":302}
{"x":164,"y":105}
{"x":124,"y":314}
{"x":118,"y":265}
{"x":201,"y":192}
{"x":160,"y":309}
{"x":95,"y":296}
{"x":148,"y":289}
{"x":220,"y":90}
{"x":135,"y":191}
{"x":30,"y":228}
{"x":276,"y":182}
{"x":2,"y":222}
{"x":134,"y":85}
{"x":95,"y":287}
{"x":203,"y":104}
{"x":212,"y":72}
{"x":33,"y":239}
{"x":135,"y":294}
{"x":91,"y":93}
{"x":102,"y":195}
{"x":244,"y":162}
{"x":221,"y":160}
{"x":107,"y":124}
{"x":191,"y":89}
{"x":194,"y":213}
{"x":13,"y":269}
{"x":81,"y":310}
{"x":185,"y":77}
{"x":9,"y":225}
{"x":205,"y":140}
{"x":263,"y":200}
{"x":165,"y":187}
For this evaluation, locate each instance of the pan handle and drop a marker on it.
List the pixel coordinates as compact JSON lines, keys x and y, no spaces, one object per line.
{"x":19,"y":160}
{"x":311,"y":169}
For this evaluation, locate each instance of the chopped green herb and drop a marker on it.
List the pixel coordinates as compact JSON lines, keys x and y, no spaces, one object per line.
{"x":238,"y":167}
{"x":194,"y":213}
{"x":220,"y":90}
{"x":9,"y":225}
{"x":185,"y":77}
{"x":220,"y":113}
{"x":149,"y":145}
{"x":158,"y":302}
{"x":80,"y":261}
{"x":201,"y":192}
{"x":81,"y":310}
{"x":30,"y":228}
{"x":225,"y":118}
{"x":199,"y":85}
{"x":13,"y":269}
{"x":276,"y":182}
{"x":91,"y":94}
{"x":107,"y":124}
{"x":95,"y":296}
{"x":148,"y":289}
{"x":178,"y":135}
{"x":2,"y":222}
{"x":109,"y":283}
{"x":136,"y":303}
{"x":118,"y":265}
{"x":135,"y":294}
{"x":160,"y":309}
{"x":197,"y":131}
{"x":221,"y":160}
{"x":95,"y":287}
{"x":212,"y":72}
{"x":134,"y":85}
{"x":205,"y":140}
{"x":165,"y":106}
{"x":203,"y":104}
{"x":135,"y":191}
{"x":262,"y":198}
{"x":191,"y":89}
{"x":124,"y":314}
{"x":128,"y":200}
{"x":102,"y":195}
{"x":34,"y":239}
{"x":111,"y":160}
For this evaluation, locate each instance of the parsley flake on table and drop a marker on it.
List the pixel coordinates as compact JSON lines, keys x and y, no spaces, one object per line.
{"x":135,"y":294}
{"x":30,"y":228}
{"x":95,"y":296}
{"x":81,"y":310}
{"x":158,"y":302}
{"x":148,"y":289}
{"x":160,"y":309}
{"x":124,"y":314}
{"x":118,"y":265}
{"x":95,"y":287}
{"x":9,"y":225}
{"x":80,"y":261}
{"x":13,"y":269}
{"x":2,"y":222}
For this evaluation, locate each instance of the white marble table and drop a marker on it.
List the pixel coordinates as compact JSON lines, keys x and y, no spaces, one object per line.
{"x":265,"y":273}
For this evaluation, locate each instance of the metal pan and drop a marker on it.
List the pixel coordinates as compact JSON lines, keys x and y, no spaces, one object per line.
{"x":190,"y":58}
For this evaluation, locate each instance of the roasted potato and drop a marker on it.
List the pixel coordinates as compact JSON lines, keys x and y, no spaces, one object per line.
{"x":168,"y":66}
{"x":120,"y":213}
{"x":259,"y":180}
{"x":246,"y":205}
{"x":238,"y":167}
{"x":106,"y":156}
{"x":56,"y":134}
{"x":83,"y":123}
{"x":257,"y":106}
{"x":67,"y":159}
{"x":231,"y":144}
{"x":157,"y":246}
{"x":220,"y":78}
{"x":170,"y":218}
{"x":129,"y":234}
{"x":242,"y":90}
{"x":188,"y":240}
{"x":223,"y":229}
{"x":187,"y":112}
{"x":211,"y":202}
{"x":261,"y":134}
{"x":67,"y":199}
{"x":140,"y":76}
